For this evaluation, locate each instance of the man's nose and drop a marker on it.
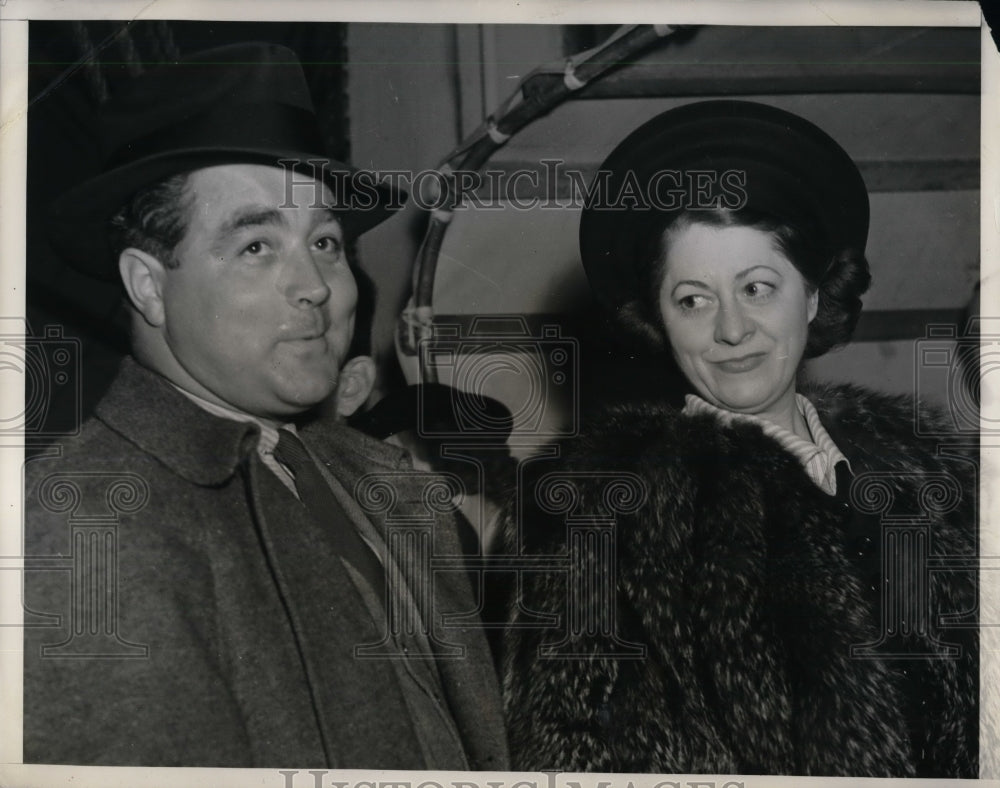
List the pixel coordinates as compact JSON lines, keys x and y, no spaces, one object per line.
{"x":732,"y":325}
{"x":304,"y":283}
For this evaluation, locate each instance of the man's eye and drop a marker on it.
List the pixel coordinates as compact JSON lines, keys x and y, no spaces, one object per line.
{"x":254,"y":248}
{"x":329,"y":244}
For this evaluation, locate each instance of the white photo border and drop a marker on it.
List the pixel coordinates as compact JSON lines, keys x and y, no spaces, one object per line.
{"x":14,"y":16}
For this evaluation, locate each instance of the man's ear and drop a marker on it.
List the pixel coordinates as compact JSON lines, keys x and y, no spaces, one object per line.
{"x":357,"y":379}
{"x":143,"y":274}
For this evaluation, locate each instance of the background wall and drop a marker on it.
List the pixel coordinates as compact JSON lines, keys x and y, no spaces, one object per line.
{"x":416,"y":92}
{"x":903,"y":102}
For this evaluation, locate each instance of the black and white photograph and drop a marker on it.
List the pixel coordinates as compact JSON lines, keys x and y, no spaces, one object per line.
{"x":502,"y":396}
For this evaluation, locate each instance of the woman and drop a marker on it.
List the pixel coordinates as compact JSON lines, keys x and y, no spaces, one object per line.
{"x":737,"y":625}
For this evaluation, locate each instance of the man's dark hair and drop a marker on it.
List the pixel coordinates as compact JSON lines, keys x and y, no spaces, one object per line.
{"x":154,"y":220}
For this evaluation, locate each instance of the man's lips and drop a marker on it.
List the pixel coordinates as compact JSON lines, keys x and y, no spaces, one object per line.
{"x":304,"y":333}
{"x":306,"y":342}
{"x":741,"y":363}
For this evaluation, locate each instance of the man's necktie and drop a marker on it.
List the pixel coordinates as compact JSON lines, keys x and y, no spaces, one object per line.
{"x":318,"y":498}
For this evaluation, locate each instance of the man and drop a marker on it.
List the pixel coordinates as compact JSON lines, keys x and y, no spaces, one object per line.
{"x":229,"y":600}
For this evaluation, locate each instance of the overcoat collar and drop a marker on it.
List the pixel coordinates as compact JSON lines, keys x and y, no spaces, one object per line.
{"x":344,"y":448}
{"x":147,"y":410}
{"x":204,"y":449}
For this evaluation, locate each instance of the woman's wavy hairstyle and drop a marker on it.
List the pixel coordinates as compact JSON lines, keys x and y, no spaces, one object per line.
{"x":841,"y":277}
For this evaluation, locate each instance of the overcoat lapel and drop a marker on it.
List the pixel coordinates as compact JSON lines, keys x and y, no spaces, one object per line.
{"x":462,"y":661}
{"x":330,"y":619}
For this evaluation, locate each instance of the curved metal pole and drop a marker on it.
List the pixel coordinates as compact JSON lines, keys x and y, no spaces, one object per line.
{"x":416,"y":321}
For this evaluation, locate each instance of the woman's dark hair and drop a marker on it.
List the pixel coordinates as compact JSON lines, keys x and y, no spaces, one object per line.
{"x":840,"y":277}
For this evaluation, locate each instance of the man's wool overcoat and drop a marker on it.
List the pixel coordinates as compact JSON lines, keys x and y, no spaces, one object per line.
{"x":186,"y":609}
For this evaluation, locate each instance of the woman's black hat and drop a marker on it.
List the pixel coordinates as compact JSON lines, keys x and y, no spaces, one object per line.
{"x":717,"y":154}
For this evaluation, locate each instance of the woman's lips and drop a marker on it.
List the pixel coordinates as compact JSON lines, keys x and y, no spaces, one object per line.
{"x":742,"y":363}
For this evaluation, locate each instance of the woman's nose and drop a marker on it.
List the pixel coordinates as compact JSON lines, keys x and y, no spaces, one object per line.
{"x":732,"y":326}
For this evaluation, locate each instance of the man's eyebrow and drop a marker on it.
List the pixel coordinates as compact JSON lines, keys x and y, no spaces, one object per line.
{"x":250,"y":217}
{"x":327,"y":215}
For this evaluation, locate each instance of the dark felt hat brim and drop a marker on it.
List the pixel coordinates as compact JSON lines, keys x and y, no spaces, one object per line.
{"x":79,"y":217}
{"x":789,"y":168}
{"x":438,"y":411}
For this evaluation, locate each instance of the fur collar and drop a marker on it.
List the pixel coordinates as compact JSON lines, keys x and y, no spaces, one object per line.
{"x":737,"y":579}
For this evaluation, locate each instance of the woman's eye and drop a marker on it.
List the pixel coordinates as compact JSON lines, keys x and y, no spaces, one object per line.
{"x":759,"y":289}
{"x":692,"y":301}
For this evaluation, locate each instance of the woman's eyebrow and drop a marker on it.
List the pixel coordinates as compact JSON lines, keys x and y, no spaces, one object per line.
{"x":692,"y":282}
{"x":746,"y":272}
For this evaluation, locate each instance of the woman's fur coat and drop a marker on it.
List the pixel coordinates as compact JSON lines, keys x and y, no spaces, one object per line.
{"x":747,"y":586}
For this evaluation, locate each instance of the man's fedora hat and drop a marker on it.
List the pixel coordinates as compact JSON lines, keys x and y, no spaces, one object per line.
{"x":243,"y":103}
{"x":717,"y":154}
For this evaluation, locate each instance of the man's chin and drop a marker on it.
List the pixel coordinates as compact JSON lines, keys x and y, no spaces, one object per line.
{"x":287,"y":394}
{"x":295,"y":400}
